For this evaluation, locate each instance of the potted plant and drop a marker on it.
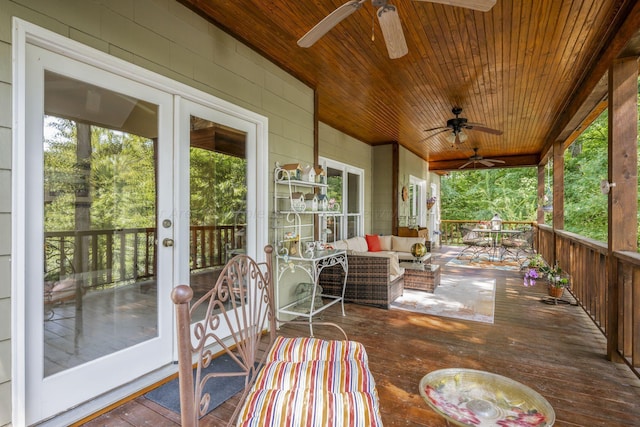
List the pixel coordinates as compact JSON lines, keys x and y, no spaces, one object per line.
{"x":557,"y":280}
{"x":536,"y":262}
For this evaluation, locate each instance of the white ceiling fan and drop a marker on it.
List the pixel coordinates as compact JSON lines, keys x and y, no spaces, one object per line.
{"x":387,"y":17}
{"x":476,"y":158}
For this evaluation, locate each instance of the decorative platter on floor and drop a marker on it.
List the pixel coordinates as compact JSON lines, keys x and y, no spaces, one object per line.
{"x":468,"y":397}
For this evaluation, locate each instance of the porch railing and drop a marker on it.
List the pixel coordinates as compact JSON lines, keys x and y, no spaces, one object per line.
{"x":451,"y":229}
{"x":104,"y":258}
{"x":587,"y":261}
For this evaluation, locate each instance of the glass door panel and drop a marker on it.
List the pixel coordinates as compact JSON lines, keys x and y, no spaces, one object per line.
{"x":99,"y":203}
{"x":217,"y":199}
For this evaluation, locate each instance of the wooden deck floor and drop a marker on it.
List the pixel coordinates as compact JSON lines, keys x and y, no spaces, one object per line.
{"x":556,"y":350}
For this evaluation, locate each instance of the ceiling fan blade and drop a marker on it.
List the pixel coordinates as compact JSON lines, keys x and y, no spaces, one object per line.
{"x":482,"y":128}
{"x":440,"y":128}
{"x":481,"y":5}
{"x":392,"y":31}
{"x":466,"y":164}
{"x":329,"y":21}
{"x":487,"y":163}
{"x":434,"y":134}
{"x":495,"y":160}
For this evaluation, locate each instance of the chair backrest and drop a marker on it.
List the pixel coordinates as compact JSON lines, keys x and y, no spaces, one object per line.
{"x":241,"y":301}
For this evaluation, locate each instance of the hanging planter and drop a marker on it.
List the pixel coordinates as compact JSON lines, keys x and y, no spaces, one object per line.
{"x":430,"y":202}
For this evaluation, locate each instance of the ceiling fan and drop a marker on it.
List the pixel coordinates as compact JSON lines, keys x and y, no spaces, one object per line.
{"x":458,"y":124}
{"x":476,"y":158}
{"x":388,"y":19}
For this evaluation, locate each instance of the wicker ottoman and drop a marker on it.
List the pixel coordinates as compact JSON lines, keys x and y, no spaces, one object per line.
{"x":425,"y":277}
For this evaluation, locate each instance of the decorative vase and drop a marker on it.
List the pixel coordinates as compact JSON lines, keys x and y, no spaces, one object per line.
{"x":418,"y":250}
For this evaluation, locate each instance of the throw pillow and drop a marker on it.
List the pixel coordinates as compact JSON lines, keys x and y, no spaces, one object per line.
{"x":373,"y":242}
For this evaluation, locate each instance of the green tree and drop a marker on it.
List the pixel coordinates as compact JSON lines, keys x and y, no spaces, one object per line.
{"x":479,"y":194}
{"x":585,"y":164}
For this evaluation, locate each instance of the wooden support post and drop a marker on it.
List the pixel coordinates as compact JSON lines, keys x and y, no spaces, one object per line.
{"x":622,"y":199}
{"x":395,"y":194}
{"x":541,"y":192}
{"x":558,"y":194}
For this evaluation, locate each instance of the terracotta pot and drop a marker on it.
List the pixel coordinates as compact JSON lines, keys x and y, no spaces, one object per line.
{"x":555,"y":292}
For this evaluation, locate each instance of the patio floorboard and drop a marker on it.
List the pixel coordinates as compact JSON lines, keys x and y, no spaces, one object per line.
{"x":555,"y":350}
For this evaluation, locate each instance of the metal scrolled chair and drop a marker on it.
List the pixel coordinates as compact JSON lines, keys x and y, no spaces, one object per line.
{"x":519,"y":245}
{"x":242,"y":301}
{"x":474,"y":242}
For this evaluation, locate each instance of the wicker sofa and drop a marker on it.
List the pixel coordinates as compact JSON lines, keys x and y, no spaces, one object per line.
{"x":374,"y":278}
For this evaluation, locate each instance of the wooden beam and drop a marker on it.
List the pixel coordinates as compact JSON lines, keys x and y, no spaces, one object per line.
{"x":510,"y":162}
{"x":220,"y":140}
{"x":622,"y":199}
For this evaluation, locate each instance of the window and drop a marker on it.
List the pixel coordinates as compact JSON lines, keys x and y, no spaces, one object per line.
{"x":417,"y":202}
{"x":345,"y":192}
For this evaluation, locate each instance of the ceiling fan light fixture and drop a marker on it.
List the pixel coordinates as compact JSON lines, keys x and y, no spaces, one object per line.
{"x":451,"y":137}
{"x":462,"y":137}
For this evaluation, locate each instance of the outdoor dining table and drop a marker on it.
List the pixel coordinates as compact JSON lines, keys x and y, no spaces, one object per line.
{"x":496,"y":237}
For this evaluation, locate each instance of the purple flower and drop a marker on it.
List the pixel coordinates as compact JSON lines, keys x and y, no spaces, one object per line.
{"x":530,"y":277}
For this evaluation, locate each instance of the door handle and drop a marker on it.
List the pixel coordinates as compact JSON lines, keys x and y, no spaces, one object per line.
{"x":167,"y":242}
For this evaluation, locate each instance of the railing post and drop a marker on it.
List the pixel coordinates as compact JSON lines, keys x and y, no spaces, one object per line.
{"x":181,"y":296}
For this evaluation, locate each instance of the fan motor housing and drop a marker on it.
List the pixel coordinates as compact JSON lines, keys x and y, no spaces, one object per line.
{"x":457,"y":123}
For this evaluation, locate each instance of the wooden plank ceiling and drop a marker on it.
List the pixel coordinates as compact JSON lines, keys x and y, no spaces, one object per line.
{"x":524,"y":67}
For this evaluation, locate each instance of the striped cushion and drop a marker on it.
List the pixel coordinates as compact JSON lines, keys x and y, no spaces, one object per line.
{"x":333,"y":376}
{"x":305,"y":349}
{"x":309,"y":408}
{"x":312,"y":382}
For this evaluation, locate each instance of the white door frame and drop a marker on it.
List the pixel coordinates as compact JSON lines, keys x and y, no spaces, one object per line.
{"x":47,"y":396}
{"x":26,"y":33}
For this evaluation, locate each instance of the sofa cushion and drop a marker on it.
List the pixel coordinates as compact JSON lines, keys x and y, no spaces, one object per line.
{"x":394,"y":262}
{"x":403,"y":244}
{"x":373,"y":242}
{"x":340,"y":244}
{"x":385,"y":242}
{"x":357,"y":244}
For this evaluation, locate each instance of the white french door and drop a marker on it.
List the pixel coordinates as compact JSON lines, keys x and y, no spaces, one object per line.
{"x":220,"y":152}
{"x":116,"y":168}
{"x":98,"y":261}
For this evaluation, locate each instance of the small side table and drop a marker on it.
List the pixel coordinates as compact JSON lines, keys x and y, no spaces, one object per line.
{"x":424,"y":277}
